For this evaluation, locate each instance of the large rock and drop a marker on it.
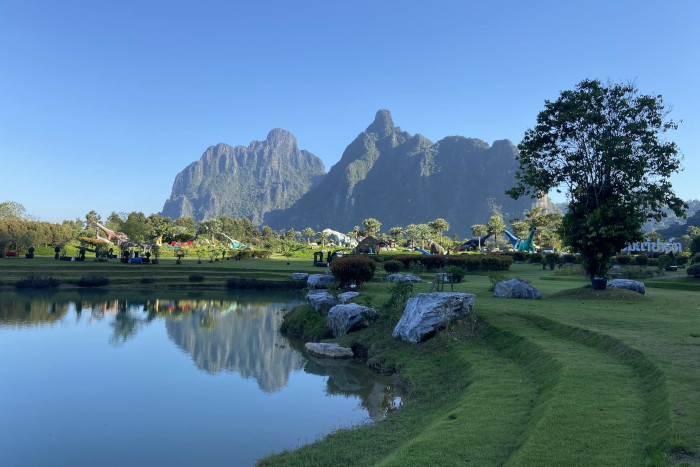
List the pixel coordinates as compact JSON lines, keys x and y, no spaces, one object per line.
{"x":343,"y":319}
{"x":427,"y":312}
{"x":325,"y":350}
{"x":300,"y":276}
{"x":320,"y":281}
{"x":346,"y":296}
{"x":321,"y":300}
{"x":403,"y":278}
{"x":628,"y":284}
{"x":516,"y":289}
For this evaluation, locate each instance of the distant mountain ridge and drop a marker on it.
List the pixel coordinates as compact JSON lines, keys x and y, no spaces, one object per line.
{"x":244,"y":182}
{"x":399,"y":178}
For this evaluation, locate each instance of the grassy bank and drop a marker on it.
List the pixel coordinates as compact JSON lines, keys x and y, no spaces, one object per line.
{"x":577,"y":378}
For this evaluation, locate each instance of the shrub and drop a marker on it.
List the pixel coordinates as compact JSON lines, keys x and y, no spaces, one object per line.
{"x":665,"y":262}
{"x":519,"y":256}
{"x":417,"y":268}
{"x":693,"y":270}
{"x":641,"y":260}
{"x":457,"y":273}
{"x":392,"y":266}
{"x":353,"y":270}
{"x":695,"y":244}
{"x":93,"y":281}
{"x":571,"y":259}
{"x":654,"y":262}
{"x":466,"y":262}
{"x":196,"y":278}
{"x":635,"y":272}
{"x":306,"y":323}
{"x":399,"y":293}
{"x":37,"y":282}
{"x":535,"y":258}
{"x":624,"y":259}
{"x":551,"y":260}
{"x":682,"y":260}
{"x":496,"y":262}
{"x":495,"y":278}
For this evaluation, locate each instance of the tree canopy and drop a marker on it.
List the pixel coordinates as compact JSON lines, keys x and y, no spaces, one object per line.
{"x":603,"y":143}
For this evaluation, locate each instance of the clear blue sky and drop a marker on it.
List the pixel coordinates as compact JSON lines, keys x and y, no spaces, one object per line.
{"x":103,"y":103}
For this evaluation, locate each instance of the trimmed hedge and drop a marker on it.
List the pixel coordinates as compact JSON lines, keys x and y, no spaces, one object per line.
{"x":624,"y":259}
{"x":535,"y":258}
{"x":253,"y":254}
{"x":518,"y":256}
{"x":693,"y":270}
{"x":392,"y":266}
{"x":93,"y":281}
{"x":37,"y":282}
{"x":353,"y":270}
{"x":641,"y":260}
{"x":467,"y":262}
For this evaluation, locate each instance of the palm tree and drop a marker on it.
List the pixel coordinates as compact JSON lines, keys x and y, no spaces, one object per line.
{"x":308,"y":232}
{"x":479,"y":230}
{"x":371,"y":225}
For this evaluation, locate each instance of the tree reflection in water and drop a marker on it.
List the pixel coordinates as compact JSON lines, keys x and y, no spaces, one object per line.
{"x":220,"y":335}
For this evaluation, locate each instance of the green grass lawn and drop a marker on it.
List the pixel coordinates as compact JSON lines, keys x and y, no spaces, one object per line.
{"x":577,"y":378}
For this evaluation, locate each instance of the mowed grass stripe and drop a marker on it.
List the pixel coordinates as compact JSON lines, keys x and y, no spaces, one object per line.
{"x":483,"y":426}
{"x":594,"y":415}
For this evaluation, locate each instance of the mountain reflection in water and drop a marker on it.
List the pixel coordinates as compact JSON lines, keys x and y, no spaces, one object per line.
{"x":238,"y":336}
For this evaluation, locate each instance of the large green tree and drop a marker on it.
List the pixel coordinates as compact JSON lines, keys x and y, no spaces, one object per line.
{"x":603,"y":143}
{"x":11,"y":210}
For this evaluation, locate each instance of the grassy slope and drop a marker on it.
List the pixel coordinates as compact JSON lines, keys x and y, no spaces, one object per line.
{"x":578,"y":378}
{"x":614,"y":379}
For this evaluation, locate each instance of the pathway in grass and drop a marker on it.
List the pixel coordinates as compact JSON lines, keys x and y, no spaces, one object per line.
{"x":594,"y":414}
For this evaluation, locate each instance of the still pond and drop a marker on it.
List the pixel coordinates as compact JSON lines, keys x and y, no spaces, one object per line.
{"x":160,"y":378}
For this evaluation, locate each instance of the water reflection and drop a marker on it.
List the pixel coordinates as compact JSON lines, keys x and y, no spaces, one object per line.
{"x":237,"y":337}
{"x":377,"y":396}
{"x":220,"y":335}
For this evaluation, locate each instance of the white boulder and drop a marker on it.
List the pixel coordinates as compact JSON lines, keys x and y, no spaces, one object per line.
{"x":325,"y":350}
{"x":300,"y":276}
{"x":427,"y":312}
{"x":320,"y":281}
{"x":628,"y":284}
{"x":346,"y":296}
{"x":516,"y":289}
{"x":343,"y":319}
{"x":321,"y":300}
{"x":403,"y":278}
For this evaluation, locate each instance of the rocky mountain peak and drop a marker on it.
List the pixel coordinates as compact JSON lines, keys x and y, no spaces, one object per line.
{"x":279,"y":136}
{"x":383,"y":124}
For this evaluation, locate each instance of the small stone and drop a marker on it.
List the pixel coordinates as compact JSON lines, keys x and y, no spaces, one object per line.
{"x":325,"y":350}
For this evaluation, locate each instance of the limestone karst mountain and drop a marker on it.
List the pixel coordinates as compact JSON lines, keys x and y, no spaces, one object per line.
{"x":385,"y":173}
{"x":244,"y":181}
{"x":399,"y":178}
